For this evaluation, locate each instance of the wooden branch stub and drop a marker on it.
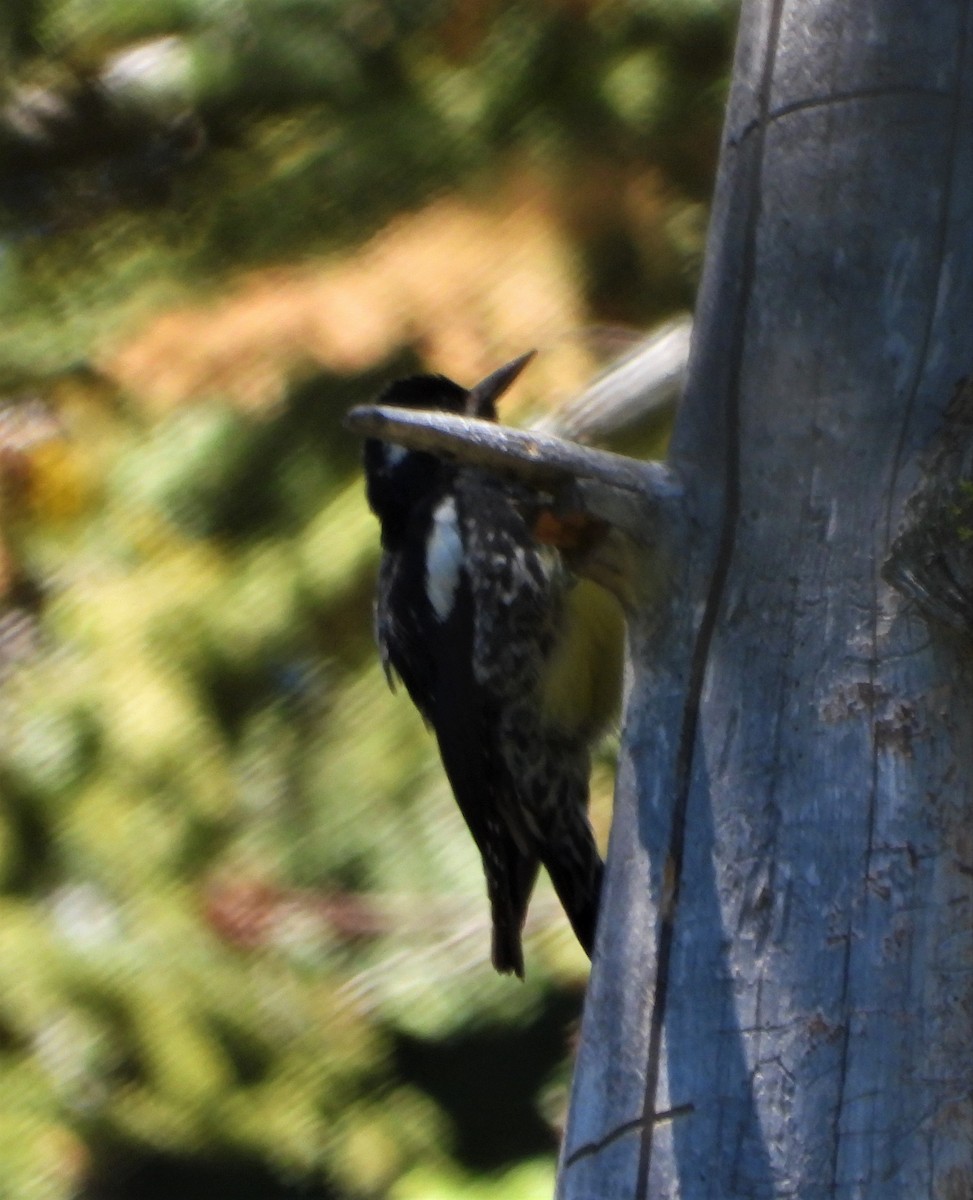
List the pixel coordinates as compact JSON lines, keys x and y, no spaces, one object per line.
{"x":617,"y":489}
{"x":648,"y":380}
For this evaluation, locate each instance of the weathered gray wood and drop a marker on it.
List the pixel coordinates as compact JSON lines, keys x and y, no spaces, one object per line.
{"x":786,"y":948}
{"x":649,"y":379}
{"x":540,"y":459}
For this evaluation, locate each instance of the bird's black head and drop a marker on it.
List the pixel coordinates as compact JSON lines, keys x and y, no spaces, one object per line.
{"x":398,"y":479}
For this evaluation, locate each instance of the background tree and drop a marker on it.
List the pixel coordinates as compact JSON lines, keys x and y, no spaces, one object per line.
{"x":781,"y":1002}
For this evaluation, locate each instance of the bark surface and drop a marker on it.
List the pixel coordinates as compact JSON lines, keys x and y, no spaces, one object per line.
{"x":782,"y":997}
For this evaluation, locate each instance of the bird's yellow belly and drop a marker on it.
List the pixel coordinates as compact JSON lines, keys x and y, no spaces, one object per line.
{"x":582,"y":683}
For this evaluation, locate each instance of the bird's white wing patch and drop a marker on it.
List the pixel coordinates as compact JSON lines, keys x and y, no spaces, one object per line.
{"x":444,"y":558}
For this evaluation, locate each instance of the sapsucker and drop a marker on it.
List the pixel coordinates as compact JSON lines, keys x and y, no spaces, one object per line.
{"x":513,"y":661}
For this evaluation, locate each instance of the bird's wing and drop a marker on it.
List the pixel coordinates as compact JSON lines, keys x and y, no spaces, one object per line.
{"x":424,"y":625}
{"x":402,"y":634}
{"x":467,"y":728}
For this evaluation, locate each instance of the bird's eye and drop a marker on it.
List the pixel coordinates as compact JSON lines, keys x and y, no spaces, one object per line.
{"x":394,"y":454}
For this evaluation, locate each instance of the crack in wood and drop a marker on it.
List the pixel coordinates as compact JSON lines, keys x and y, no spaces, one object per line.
{"x":714,"y":601}
{"x":589,"y":1149}
{"x":811,"y":102}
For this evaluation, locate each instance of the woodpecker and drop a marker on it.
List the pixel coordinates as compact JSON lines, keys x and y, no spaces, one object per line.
{"x":513,"y":661}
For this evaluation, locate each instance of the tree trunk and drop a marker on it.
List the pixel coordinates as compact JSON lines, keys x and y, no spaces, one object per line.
{"x":782,"y":997}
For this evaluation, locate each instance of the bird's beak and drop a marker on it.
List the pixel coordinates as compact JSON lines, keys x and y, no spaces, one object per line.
{"x":481,"y":399}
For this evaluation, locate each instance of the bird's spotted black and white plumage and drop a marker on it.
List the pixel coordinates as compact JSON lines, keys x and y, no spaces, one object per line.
{"x":480,"y":621}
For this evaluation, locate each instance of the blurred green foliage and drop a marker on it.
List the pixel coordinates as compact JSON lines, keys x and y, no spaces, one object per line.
{"x":239,"y":915}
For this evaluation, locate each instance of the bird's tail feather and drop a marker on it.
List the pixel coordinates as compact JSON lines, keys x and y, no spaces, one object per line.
{"x":509,"y":898}
{"x":576,"y":871}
